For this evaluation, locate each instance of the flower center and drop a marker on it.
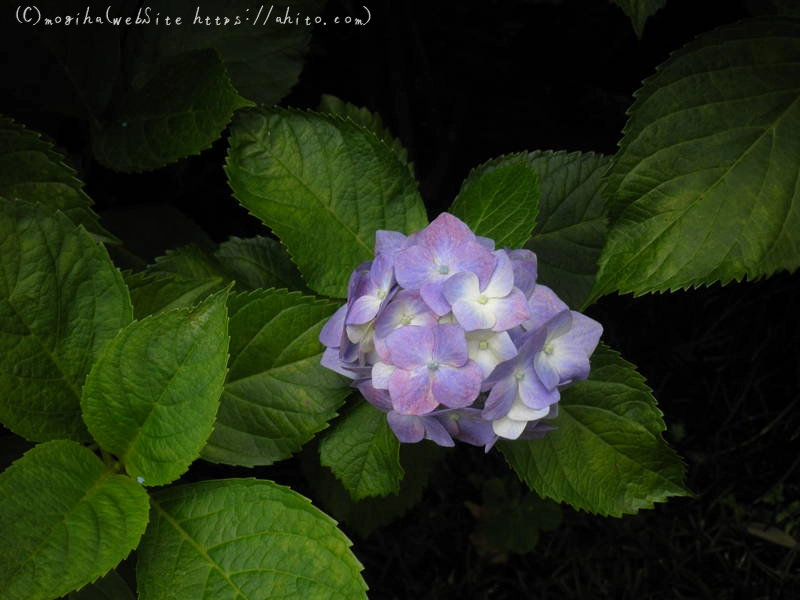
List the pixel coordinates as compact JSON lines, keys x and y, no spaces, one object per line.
{"x":444,"y":269}
{"x":482,"y":299}
{"x":519,"y":375}
{"x":483,"y":344}
{"x":406,"y":320}
{"x":381,"y":294}
{"x":433,"y":366}
{"x":548,"y":348}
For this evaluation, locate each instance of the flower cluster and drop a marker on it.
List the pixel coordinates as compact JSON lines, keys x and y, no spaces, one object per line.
{"x":454,"y":339}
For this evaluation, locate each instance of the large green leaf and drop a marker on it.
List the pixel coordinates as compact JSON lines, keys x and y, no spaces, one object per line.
{"x":109,"y":587}
{"x":178,"y":112}
{"x":705,"y":185}
{"x":277,"y":395}
{"x":30,"y":169}
{"x":61,"y":301}
{"x":65,"y":520}
{"x":607,"y":455}
{"x":363,"y":453}
{"x":324,"y":185}
{"x":243,"y":538}
{"x":639,"y":11}
{"x":152,"y":397}
{"x":262,"y":56}
{"x":258,"y":262}
{"x":500,"y":201}
{"x":159,"y":292}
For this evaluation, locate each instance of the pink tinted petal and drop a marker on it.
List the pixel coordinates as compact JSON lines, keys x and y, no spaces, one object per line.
{"x":431,"y":293}
{"x":378,"y":398}
{"x":510,"y":311}
{"x":543,"y":305}
{"x":456,"y":387}
{"x":472,"y":315}
{"x":410,"y":346}
{"x":473,"y":258}
{"x":410,"y":392}
{"x":461,"y":286}
{"x":500,"y":399}
{"x":413,"y":267}
{"x":445,"y":232}
{"x":408,"y":428}
{"x":332,"y":331}
{"x":487,"y":243}
{"x":380,"y":375}
{"x":389,"y":242}
{"x":502,"y":280}
{"x":363,"y":310}
{"x":449,"y":345}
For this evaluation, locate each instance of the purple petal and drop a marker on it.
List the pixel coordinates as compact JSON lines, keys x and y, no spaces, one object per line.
{"x":332,"y":331}
{"x":435,"y":432}
{"x":413,"y":267}
{"x":409,"y":429}
{"x":510,"y":311}
{"x":444,"y":232}
{"x":410,"y":346}
{"x":331,"y":360}
{"x":431,"y":293}
{"x":380,"y":374}
{"x":500,"y":399}
{"x":410,"y":392}
{"x":468,"y":426}
{"x":543,"y":305}
{"x":363,"y":310}
{"x":456,"y":387}
{"x":525,"y":270}
{"x":498,"y":348}
{"x":547,"y":371}
{"x":475,"y":259}
{"x":472,"y":315}
{"x":534,"y":394}
{"x":389,"y":242}
{"x":584,"y":334}
{"x":502,"y":279}
{"x":378,"y":398}
{"x":461,"y":286}
{"x":485,"y":242}
{"x":449,"y":345}
{"x":406,"y":308}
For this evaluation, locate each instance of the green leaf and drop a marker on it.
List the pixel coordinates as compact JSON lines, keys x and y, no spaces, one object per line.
{"x":31,"y":170}
{"x":61,"y":301}
{"x":639,"y":11}
{"x":158,"y":292}
{"x":704,"y":187}
{"x":277,"y":394}
{"x":243,"y":538}
{"x":263,"y":57}
{"x":258,"y":262}
{"x":500,"y":201}
{"x":110,"y":587}
{"x":302,"y":172}
{"x":190,"y":262}
{"x":362,"y":116}
{"x":607,"y":455}
{"x":369,"y":514}
{"x":152,"y":397}
{"x":363,"y":453}
{"x":178,"y":112}
{"x":66,"y":520}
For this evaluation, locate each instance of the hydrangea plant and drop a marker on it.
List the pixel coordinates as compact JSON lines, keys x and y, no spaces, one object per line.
{"x":456,"y":340}
{"x":118,"y":378}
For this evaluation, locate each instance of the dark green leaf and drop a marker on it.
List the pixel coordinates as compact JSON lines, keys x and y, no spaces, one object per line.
{"x":363,"y":453}
{"x":158,"y":292}
{"x":152,"y":397}
{"x":277,"y":394}
{"x":31,"y":170}
{"x":178,"y":112}
{"x":243,"y":538}
{"x":262,"y":57}
{"x":607,"y":455}
{"x":500,"y":201}
{"x":109,"y":587}
{"x":324,"y":185}
{"x":639,"y":11}
{"x":704,"y":187}
{"x":65,"y":519}
{"x":258,"y":262}
{"x":61,"y":301}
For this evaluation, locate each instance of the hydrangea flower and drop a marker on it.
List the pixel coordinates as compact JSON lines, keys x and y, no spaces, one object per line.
{"x":455,"y":340}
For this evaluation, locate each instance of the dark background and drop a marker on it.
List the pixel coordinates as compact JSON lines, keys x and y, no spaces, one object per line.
{"x":460,"y":83}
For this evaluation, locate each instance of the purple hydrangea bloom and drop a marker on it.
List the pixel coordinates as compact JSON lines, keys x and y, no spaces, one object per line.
{"x":455,"y":340}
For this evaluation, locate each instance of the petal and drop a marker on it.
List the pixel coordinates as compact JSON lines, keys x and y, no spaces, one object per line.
{"x":331,"y":360}
{"x":508,"y":428}
{"x":475,"y":259}
{"x":489,"y":349}
{"x":502,"y":280}
{"x":472,"y":315}
{"x":543,"y":305}
{"x":534,"y":395}
{"x":444,"y":232}
{"x":413,"y":267}
{"x":409,"y":429}
{"x":584,"y":334}
{"x":431,"y":293}
{"x":382,"y":272}
{"x":456,"y":388}
{"x":461,"y":286}
{"x":380,"y":375}
{"x":520,"y":412}
{"x":545,"y":369}
{"x":378,"y":398}
{"x":363,"y":310}
{"x":449,"y":345}
{"x":509,"y":311}
{"x":500,"y":399}
{"x":470,"y":427}
{"x":436,"y":432}
{"x":389,"y":242}
{"x":410,"y":392}
{"x":332,"y":331}
{"x":410,"y":346}
{"x":525,"y":270}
